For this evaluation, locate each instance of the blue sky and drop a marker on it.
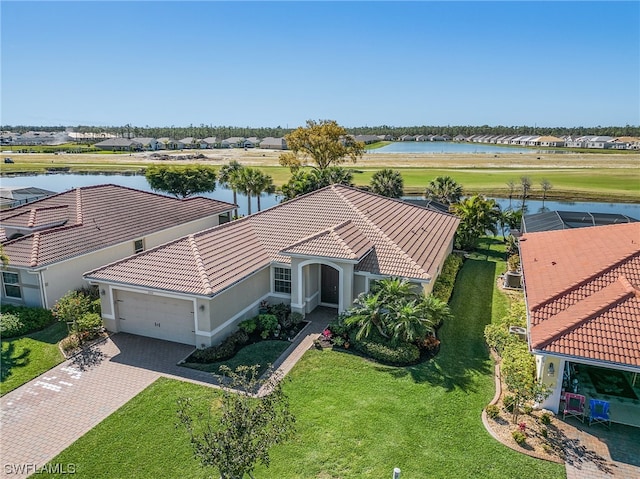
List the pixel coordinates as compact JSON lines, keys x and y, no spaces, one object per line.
{"x":359,"y":63}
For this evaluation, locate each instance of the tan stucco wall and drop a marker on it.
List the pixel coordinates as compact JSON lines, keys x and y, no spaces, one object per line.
{"x":238,"y":303}
{"x":359,"y":285}
{"x":29,"y":288}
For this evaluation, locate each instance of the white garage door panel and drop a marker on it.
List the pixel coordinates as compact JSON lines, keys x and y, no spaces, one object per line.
{"x":156,"y":316}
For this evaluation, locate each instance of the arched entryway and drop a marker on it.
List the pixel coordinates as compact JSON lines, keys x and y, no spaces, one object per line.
{"x":329,"y":286}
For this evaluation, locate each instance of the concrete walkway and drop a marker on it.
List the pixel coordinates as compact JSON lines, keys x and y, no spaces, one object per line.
{"x":45,"y":416}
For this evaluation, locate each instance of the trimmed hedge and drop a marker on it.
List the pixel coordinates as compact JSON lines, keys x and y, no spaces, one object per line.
{"x":21,"y":320}
{"x":443,"y":287}
{"x":401,"y":354}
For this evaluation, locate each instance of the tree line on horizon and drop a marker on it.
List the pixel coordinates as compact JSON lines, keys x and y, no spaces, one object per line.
{"x":204,"y":131}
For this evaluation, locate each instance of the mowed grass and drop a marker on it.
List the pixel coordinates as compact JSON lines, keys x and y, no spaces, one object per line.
{"x":355,"y":418}
{"x":27,"y":357}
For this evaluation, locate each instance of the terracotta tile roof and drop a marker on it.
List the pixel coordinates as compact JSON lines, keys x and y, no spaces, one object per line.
{"x":583,"y":292}
{"x":91,"y":218}
{"x":344,"y":241}
{"x":405,"y":240}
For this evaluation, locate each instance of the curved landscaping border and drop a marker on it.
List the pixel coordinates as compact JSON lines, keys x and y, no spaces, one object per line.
{"x":487,"y":425}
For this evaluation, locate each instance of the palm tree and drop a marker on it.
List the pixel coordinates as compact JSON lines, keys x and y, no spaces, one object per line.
{"x":252,"y":181}
{"x":367,"y":313}
{"x":525,"y":187}
{"x":435,"y":310}
{"x":444,"y":189}
{"x":262,"y":183}
{"x":225,"y":178}
{"x":477,"y":217}
{"x":388,"y":183}
{"x":409,"y":324}
{"x":393,"y":290}
{"x":512,"y":188}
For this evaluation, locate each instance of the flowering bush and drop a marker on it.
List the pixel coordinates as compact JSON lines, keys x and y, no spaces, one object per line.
{"x":326,"y":334}
{"x":522,"y":426}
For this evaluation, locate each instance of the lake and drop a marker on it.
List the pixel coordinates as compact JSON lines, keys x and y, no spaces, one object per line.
{"x":63,"y":182}
{"x":446,"y":147}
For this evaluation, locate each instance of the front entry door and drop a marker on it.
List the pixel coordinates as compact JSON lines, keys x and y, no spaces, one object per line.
{"x":329,"y":285}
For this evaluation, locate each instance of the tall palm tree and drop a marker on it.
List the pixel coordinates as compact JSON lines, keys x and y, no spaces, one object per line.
{"x":252,"y":181}
{"x":478,"y":216}
{"x":444,"y":189}
{"x":225,"y":178}
{"x":387,"y":182}
{"x":262,"y":183}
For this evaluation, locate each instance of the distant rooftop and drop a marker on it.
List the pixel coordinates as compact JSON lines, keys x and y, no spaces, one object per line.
{"x":562,"y":220}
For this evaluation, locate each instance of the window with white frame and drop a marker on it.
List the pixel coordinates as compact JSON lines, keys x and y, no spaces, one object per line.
{"x":11,"y":282}
{"x":282,"y":280}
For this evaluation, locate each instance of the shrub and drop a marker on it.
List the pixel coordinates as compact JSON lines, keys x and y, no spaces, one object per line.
{"x":10,"y":325}
{"x":71,"y":307}
{"x":545,"y":418}
{"x":519,"y":436}
{"x":443,"y":287}
{"x":89,"y":322}
{"x":241,"y":337}
{"x":268,"y":324}
{"x":514,"y":262}
{"x":70,"y":343}
{"x":398,"y":355}
{"x":338,"y":341}
{"x":249,"y":325}
{"x":544,"y":432}
{"x":498,"y":337}
{"x":492,"y":411}
{"x":281,"y":311}
{"x":429,"y":345}
{"x":296,"y":318}
{"x":31,"y":319}
{"x":338,"y":328}
{"x":547,"y":448}
{"x":527,"y":409}
{"x":509,"y":402}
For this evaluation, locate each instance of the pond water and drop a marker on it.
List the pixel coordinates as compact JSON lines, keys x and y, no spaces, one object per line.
{"x":446,"y":147}
{"x":63,"y":182}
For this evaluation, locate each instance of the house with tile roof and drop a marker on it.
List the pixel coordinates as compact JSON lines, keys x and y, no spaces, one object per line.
{"x":53,"y":241}
{"x":323,"y":248}
{"x":582,"y":290}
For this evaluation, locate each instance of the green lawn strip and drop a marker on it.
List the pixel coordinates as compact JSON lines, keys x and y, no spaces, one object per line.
{"x":355,"y":418}
{"x":27,"y":357}
{"x":263,"y":353}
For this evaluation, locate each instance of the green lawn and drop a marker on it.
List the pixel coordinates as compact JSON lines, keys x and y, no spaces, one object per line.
{"x":262,"y":353}
{"x":27,"y":357}
{"x":355,"y":418}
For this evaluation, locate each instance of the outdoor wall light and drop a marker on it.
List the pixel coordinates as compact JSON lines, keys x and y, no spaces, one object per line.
{"x":201,"y":307}
{"x":102,"y":292}
{"x":551,"y":369}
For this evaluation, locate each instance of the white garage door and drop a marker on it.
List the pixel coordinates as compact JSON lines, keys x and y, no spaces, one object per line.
{"x":156,"y":316}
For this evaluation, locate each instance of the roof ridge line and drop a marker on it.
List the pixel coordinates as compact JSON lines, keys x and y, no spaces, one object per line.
{"x":32,"y":217}
{"x":622,"y":282}
{"x":380,"y":232}
{"x":587,"y":280}
{"x":35,"y":249}
{"x":200,"y":265}
{"x":79,"y":206}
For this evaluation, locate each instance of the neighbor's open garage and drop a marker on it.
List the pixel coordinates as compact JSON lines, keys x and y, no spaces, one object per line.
{"x":155,"y":316}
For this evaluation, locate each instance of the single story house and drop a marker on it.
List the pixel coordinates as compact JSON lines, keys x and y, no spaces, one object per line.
{"x":196,"y":289}
{"x":582,"y":290}
{"x":190,"y":142}
{"x":119,"y":144}
{"x":233,"y":142}
{"x":271,"y":143}
{"x":149,"y":144}
{"x":209,"y":142}
{"x":165,"y":143}
{"x":53,"y":241}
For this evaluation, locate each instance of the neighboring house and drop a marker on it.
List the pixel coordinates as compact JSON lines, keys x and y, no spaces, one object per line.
{"x":549,"y":141}
{"x":251,"y":142}
{"x":149,"y":144}
{"x":119,"y":144}
{"x":582,"y":290}
{"x":190,"y":143}
{"x":428,"y":203}
{"x":562,"y":220}
{"x":12,"y":196}
{"x":367,"y":139}
{"x":233,"y":142}
{"x":169,"y":144}
{"x":271,"y":143}
{"x":407,"y":138}
{"x":196,"y":289}
{"x":460,"y":138}
{"x":53,"y":241}
{"x":209,"y":142}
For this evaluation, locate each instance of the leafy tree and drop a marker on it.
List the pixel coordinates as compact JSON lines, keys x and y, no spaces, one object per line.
{"x":519,"y":373}
{"x":444,"y":189}
{"x":387,"y":182}
{"x":182,"y":181}
{"x":226,"y":179}
{"x":303,"y":181}
{"x":478,"y":216}
{"x":324,"y":143}
{"x":247,"y":426}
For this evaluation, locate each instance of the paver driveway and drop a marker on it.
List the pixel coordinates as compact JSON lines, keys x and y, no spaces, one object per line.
{"x":43,"y":417}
